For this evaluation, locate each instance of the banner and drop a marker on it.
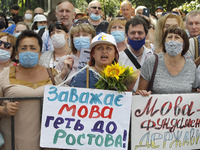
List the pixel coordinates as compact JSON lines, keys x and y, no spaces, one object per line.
{"x":170,"y":122}
{"x":86,"y":119}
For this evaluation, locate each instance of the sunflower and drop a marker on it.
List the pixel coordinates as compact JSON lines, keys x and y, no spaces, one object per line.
{"x":114,"y":70}
{"x":116,"y":77}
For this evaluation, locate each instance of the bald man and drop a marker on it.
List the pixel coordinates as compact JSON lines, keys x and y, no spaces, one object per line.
{"x":38,"y":10}
{"x":126,"y":9}
{"x":95,"y":12}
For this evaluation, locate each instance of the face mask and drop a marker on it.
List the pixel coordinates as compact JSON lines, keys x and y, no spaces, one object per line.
{"x":40,"y":27}
{"x":118,"y":35}
{"x":75,"y":20}
{"x":173,"y":48}
{"x":28,"y":59}
{"x":82,"y":42}
{"x":28,"y":16}
{"x":17,"y":34}
{"x":95,"y":17}
{"x":58,"y":40}
{"x":136,"y":45}
{"x":4,"y":56}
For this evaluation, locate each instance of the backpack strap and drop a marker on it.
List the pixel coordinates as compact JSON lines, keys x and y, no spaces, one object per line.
{"x":132,"y":58}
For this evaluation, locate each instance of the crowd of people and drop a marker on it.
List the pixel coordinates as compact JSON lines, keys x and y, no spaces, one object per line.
{"x":38,"y":50}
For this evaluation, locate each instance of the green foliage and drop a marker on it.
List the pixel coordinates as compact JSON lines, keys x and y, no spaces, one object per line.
{"x":110,"y":7}
{"x":193,"y":5}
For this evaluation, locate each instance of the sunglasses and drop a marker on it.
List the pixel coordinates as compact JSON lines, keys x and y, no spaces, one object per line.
{"x":7,"y":45}
{"x":99,"y":8}
{"x":119,"y":18}
{"x":81,"y":21}
{"x":172,"y":12}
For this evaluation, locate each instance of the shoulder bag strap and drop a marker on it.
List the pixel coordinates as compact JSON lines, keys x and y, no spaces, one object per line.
{"x":153,"y":73}
{"x":51,"y":76}
{"x":132,"y":58}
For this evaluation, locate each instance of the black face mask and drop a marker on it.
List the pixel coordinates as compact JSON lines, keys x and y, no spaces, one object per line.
{"x":2,"y":24}
{"x":14,"y":15}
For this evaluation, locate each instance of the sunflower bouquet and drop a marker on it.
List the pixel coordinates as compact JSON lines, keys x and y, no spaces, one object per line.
{"x":116,"y":77}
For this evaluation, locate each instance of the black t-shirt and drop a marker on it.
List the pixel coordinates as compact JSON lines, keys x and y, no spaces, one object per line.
{"x":102,"y":27}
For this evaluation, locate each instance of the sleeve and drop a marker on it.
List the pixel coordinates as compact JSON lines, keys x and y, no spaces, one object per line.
{"x":79,"y":80}
{"x":3,"y":75}
{"x":147,"y":68}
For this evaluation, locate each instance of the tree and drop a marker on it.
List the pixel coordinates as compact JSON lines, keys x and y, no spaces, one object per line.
{"x":193,"y":5}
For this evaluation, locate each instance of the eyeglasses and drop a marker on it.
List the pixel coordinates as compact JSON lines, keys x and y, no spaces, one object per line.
{"x":81,"y":21}
{"x":94,"y":7}
{"x":7,"y":45}
{"x":172,"y":12}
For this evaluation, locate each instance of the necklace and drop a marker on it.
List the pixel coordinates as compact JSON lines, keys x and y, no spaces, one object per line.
{"x":97,"y":70}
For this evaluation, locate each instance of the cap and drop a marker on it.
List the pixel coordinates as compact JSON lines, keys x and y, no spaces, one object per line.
{"x":39,"y":17}
{"x":103,"y":38}
{"x":160,"y":7}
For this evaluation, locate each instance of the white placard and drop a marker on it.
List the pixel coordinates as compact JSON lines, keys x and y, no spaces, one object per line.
{"x":169,"y":122}
{"x":86,"y":119}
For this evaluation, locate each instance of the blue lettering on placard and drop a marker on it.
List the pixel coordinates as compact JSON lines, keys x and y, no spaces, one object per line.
{"x":84,"y":97}
{"x":117,"y":99}
{"x":53,"y":92}
{"x":108,"y":99}
{"x":73,"y":93}
{"x":95,"y":98}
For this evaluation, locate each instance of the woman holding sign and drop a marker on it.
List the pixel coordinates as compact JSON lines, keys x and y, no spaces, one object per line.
{"x":175,"y":73}
{"x":81,"y":35}
{"x":24,"y":80}
{"x":103,"y":52}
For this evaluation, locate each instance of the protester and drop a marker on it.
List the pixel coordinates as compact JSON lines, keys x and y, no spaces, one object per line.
{"x":7,"y":50}
{"x":21,"y":26}
{"x":24,"y":80}
{"x":127,"y":10}
{"x":175,"y":73}
{"x":103,"y":52}
{"x":81,"y":35}
{"x":139,"y":10}
{"x":65,"y":13}
{"x":59,"y":37}
{"x":136,"y":30}
{"x":14,"y":10}
{"x":28,"y":17}
{"x":193,"y":23}
{"x":39,"y":22}
{"x":158,"y":12}
{"x":179,"y":11}
{"x":3,"y":21}
{"x":117,"y":29}
{"x":162,"y":25}
{"x":38,"y":10}
{"x":95,"y":13}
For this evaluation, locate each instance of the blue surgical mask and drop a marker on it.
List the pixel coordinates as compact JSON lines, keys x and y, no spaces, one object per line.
{"x":17,"y":34}
{"x":40,"y":27}
{"x":95,"y":17}
{"x":118,"y":35}
{"x":136,"y":45}
{"x":4,"y":55}
{"x":81,"y":42}
{"x":28,"y":59}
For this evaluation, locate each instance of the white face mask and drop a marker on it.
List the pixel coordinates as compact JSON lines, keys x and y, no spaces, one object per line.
{"x":173,"y":48}
{"x":28,"y":16}
{"x":58,"y":40}
{"x":4,"y":55}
